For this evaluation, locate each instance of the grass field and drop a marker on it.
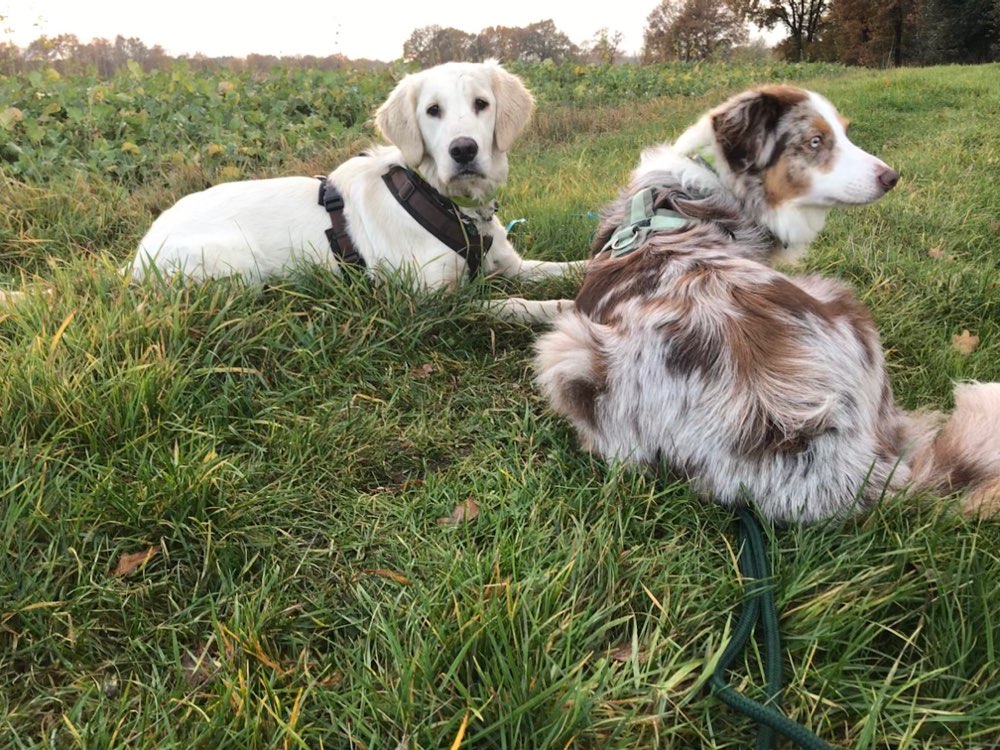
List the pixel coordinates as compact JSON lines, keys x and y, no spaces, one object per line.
{"x":233,"y":518}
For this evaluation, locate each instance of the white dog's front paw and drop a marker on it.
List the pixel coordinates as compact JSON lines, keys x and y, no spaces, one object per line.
{"x":564,"y":306}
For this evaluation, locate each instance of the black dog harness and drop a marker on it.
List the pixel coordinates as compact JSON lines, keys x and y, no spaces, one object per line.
{"x":338,"y":236}
{"x":434,"y":212}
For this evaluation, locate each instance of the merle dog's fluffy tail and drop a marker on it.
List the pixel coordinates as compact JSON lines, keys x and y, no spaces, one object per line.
{"x":964,"y":456}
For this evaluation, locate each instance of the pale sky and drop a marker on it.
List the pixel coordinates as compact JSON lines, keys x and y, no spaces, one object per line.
{"x":374,"y":29}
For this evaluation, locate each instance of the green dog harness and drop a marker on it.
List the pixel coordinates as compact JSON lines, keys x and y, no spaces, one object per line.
{"x":643,"y":219}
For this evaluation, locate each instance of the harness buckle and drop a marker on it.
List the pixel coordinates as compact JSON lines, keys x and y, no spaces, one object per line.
{"x":626,"y":238}
{"x":623,"y":241}
{"x":333,"y":200}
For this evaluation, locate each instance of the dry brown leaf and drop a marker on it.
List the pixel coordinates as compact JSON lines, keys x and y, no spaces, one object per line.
{"x":625,"y":653}
{"x":464,"y":511}
{"x":10,"y":116}
{"x":128,"y":564}
{"x":402,"y":485}
{"x":331,"y":680}
{"x":392,"y":575}
{"x":254,"y":647}
{"x":423,"y":371}
{"x":964,"y":342}
{"x":491,"y":590}
{"x":938,"y":253}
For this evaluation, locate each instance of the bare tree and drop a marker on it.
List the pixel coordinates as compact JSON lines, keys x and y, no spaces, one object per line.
{"x":501,"y":42}
{"x":535,"y":42}
{"x":432,"y":45}
{"x":605,"y":46}
{"x":802,"y":19}
{"x":543,"y":41}
{"x":692,"y":30}
{"x":657,"y":44}
{"x":876,"y":32}
{"x":52,"y":49}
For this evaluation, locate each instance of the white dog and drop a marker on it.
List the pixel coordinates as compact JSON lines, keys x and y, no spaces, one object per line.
{"x":686,"y":351}
{"x":451,"y":127}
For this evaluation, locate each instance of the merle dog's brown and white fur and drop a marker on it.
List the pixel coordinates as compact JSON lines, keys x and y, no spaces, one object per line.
{"x":693,"y":354}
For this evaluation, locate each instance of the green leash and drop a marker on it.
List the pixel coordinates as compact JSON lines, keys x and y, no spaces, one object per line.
{"x":759,"y":604}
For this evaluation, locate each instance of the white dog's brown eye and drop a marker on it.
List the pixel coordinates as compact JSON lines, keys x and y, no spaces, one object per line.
{"x":481,"y":104}
{"x":434,"y":110}
{"x":816,"y":142}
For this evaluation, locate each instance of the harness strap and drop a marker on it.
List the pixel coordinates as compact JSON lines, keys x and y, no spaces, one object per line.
{"x":439,"y":216}
{"x":642,"y":220}
{"x":338,"y":236}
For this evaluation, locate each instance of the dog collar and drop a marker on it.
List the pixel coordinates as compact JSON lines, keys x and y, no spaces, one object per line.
{"x":483,"y":209}
{"x":643,"y":220}
{"x":480,"y":207}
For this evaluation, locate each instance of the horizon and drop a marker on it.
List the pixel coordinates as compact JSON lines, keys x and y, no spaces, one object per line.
{"x":306,"y":28}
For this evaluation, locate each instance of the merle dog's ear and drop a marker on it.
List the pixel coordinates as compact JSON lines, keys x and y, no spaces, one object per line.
{"x":396,"y":119}
{"x":746,"y":126}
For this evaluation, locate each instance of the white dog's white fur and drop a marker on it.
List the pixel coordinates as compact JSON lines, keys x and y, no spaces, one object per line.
{"x":260,"y":228}
{"x":692,"y":354}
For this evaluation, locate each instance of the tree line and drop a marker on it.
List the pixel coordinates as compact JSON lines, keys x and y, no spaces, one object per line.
{"x":873,"y":33}
{"x":537,"y":42}
{"x":879,"y":33}
{"x":67,"y":54}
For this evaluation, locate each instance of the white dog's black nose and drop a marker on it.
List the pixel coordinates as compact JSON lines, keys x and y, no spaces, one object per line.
{"x":888,"y":178}
{"x":463,"y":150}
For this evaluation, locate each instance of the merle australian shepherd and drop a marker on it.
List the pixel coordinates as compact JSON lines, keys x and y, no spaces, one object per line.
{"x":688,"y":352}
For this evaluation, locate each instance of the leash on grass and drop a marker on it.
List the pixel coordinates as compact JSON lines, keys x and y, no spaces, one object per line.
{"x":758,"y":604}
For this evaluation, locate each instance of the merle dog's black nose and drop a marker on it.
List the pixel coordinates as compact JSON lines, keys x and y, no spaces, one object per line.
{"x":463,"y":150}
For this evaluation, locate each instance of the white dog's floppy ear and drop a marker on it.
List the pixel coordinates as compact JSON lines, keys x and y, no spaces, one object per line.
{"x":515,"y":105}
{"x":397,"y":120}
